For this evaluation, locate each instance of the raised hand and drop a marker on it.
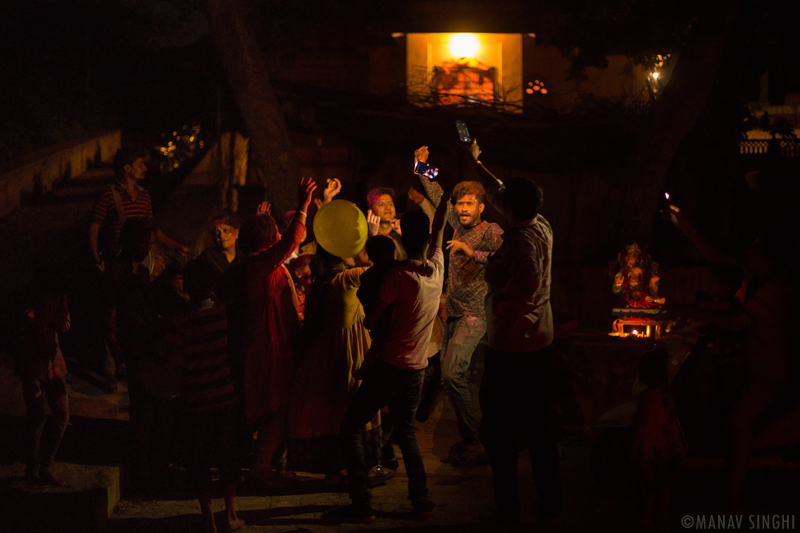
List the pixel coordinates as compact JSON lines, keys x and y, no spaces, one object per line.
{"x":374,"y":222}
{"x":421,"y":154}
{"x":396,"y":226}
{"x":264,"y":208}
{"x":459,"y":246}
{"x":332,"y":188}
{"x":474,"y":149}
{"x":676,"y":217}
{"x":415,"y":196}
{"x":318,"y":203}
{"x":305,"y":192}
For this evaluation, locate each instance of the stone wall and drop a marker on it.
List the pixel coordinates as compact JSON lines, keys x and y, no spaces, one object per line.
{"x":39,"y":170}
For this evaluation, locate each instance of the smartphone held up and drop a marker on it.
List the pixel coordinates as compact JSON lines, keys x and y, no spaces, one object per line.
{"x":463,"y":132}
{"x":664,"y":206}
{"x":424,"y":169}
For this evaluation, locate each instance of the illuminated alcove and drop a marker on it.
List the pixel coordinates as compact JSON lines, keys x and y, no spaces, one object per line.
{"x":465,"y":69}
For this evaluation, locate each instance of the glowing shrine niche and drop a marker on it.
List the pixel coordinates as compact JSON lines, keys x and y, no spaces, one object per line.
{"x":464,"y":69}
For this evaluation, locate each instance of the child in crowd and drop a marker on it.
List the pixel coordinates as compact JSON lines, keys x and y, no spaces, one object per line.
{"x":198,"y":345}
{"x":659,"y":447}
{"x":41,"y":314}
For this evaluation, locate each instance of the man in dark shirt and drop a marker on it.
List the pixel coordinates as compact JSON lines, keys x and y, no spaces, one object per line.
{"x":474,"y":241}
{"x":517,"y":392}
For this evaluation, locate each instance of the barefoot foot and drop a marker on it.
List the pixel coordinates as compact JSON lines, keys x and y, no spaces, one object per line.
{"x":236,"y":523}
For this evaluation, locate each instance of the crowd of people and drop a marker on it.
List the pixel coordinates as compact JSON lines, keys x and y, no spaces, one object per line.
{"x":267,"y":333}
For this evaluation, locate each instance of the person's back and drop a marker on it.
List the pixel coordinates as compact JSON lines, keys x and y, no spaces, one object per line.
{"x":519,"y":317}
{"x":413,"y":288}
{"x":380,"y":250}
{"x":198,"y":345}
{"x":206,"y":379}
{"x":414,"y":291}
{"x":520,"y":360}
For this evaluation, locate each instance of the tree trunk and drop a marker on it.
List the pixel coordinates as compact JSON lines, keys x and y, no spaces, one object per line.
{"x":271,"y":152}
{"x":675,"y":113}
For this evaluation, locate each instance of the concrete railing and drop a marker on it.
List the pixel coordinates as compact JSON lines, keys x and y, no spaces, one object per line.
{"x":42,"y":168}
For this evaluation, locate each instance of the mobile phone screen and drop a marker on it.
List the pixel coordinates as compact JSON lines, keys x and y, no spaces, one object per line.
{"x":426,"y":170}
{"x":463,"y":132}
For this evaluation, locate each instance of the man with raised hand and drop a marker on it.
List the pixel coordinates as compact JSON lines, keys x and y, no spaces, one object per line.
{"x":474,"y":241}
{"x":517,"y":392}
{"x":395,"y":379}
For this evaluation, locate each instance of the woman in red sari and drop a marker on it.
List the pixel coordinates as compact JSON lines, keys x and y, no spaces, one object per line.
{"x":270,"y":325}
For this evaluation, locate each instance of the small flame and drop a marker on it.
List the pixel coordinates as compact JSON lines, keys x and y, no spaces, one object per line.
{"x":635,"y":333}
{"x":666,"y":195}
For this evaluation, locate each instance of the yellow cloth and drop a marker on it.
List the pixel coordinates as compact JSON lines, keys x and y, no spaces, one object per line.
{"x":324,"y":383}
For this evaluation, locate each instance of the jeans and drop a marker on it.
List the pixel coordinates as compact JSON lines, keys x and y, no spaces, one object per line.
{"x":44,"y":437}
{"x":517,"y":400}
{"x":461,"y":336}
{"x":400,"y":389}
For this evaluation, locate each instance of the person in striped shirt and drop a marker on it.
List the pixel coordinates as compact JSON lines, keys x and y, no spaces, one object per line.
{"x":123,"y":200}
{"x":198,"y":345}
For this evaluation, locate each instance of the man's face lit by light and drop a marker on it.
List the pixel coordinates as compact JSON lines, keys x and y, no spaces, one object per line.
{"x":384,"y":208}
{"x":468,"y":210}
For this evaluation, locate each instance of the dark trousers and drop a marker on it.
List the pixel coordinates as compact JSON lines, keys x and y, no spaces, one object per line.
{"x":151,"y":421}
{"x":400,"y":389}
{"x":518,"y":402}
{"x":211,"y":440}
{"x":44,"y":437}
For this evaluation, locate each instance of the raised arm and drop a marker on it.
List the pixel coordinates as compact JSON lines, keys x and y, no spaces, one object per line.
{"x":433,"y":188}
{"x":712,"y":254}
{"x":437,"y":227}
{"x":423,"y":203}
{"x":276,"y":255}
{"x":490,"y":182}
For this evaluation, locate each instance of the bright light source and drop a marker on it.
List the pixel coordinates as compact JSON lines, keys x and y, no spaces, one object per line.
{"x":655,"y":75}
{"x":543,"y":91}
{"x":635,"y":333}
{"x":464,"y":45}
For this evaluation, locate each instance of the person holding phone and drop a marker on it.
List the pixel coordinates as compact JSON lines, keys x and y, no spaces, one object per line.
{"x":518,"y":389}
{"x":474,"y":241}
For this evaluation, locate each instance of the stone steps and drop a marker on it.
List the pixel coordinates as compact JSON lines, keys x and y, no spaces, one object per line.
{"x":83,"y":504}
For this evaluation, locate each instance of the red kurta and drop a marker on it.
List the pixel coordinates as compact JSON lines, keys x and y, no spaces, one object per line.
{"x":270,"y":326}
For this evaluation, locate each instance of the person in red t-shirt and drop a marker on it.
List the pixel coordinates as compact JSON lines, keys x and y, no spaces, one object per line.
{"x":395,"y":379}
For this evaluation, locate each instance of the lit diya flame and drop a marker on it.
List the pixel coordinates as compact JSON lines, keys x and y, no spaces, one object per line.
{"x":635,"y":333}
{"x":666,"y":195}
